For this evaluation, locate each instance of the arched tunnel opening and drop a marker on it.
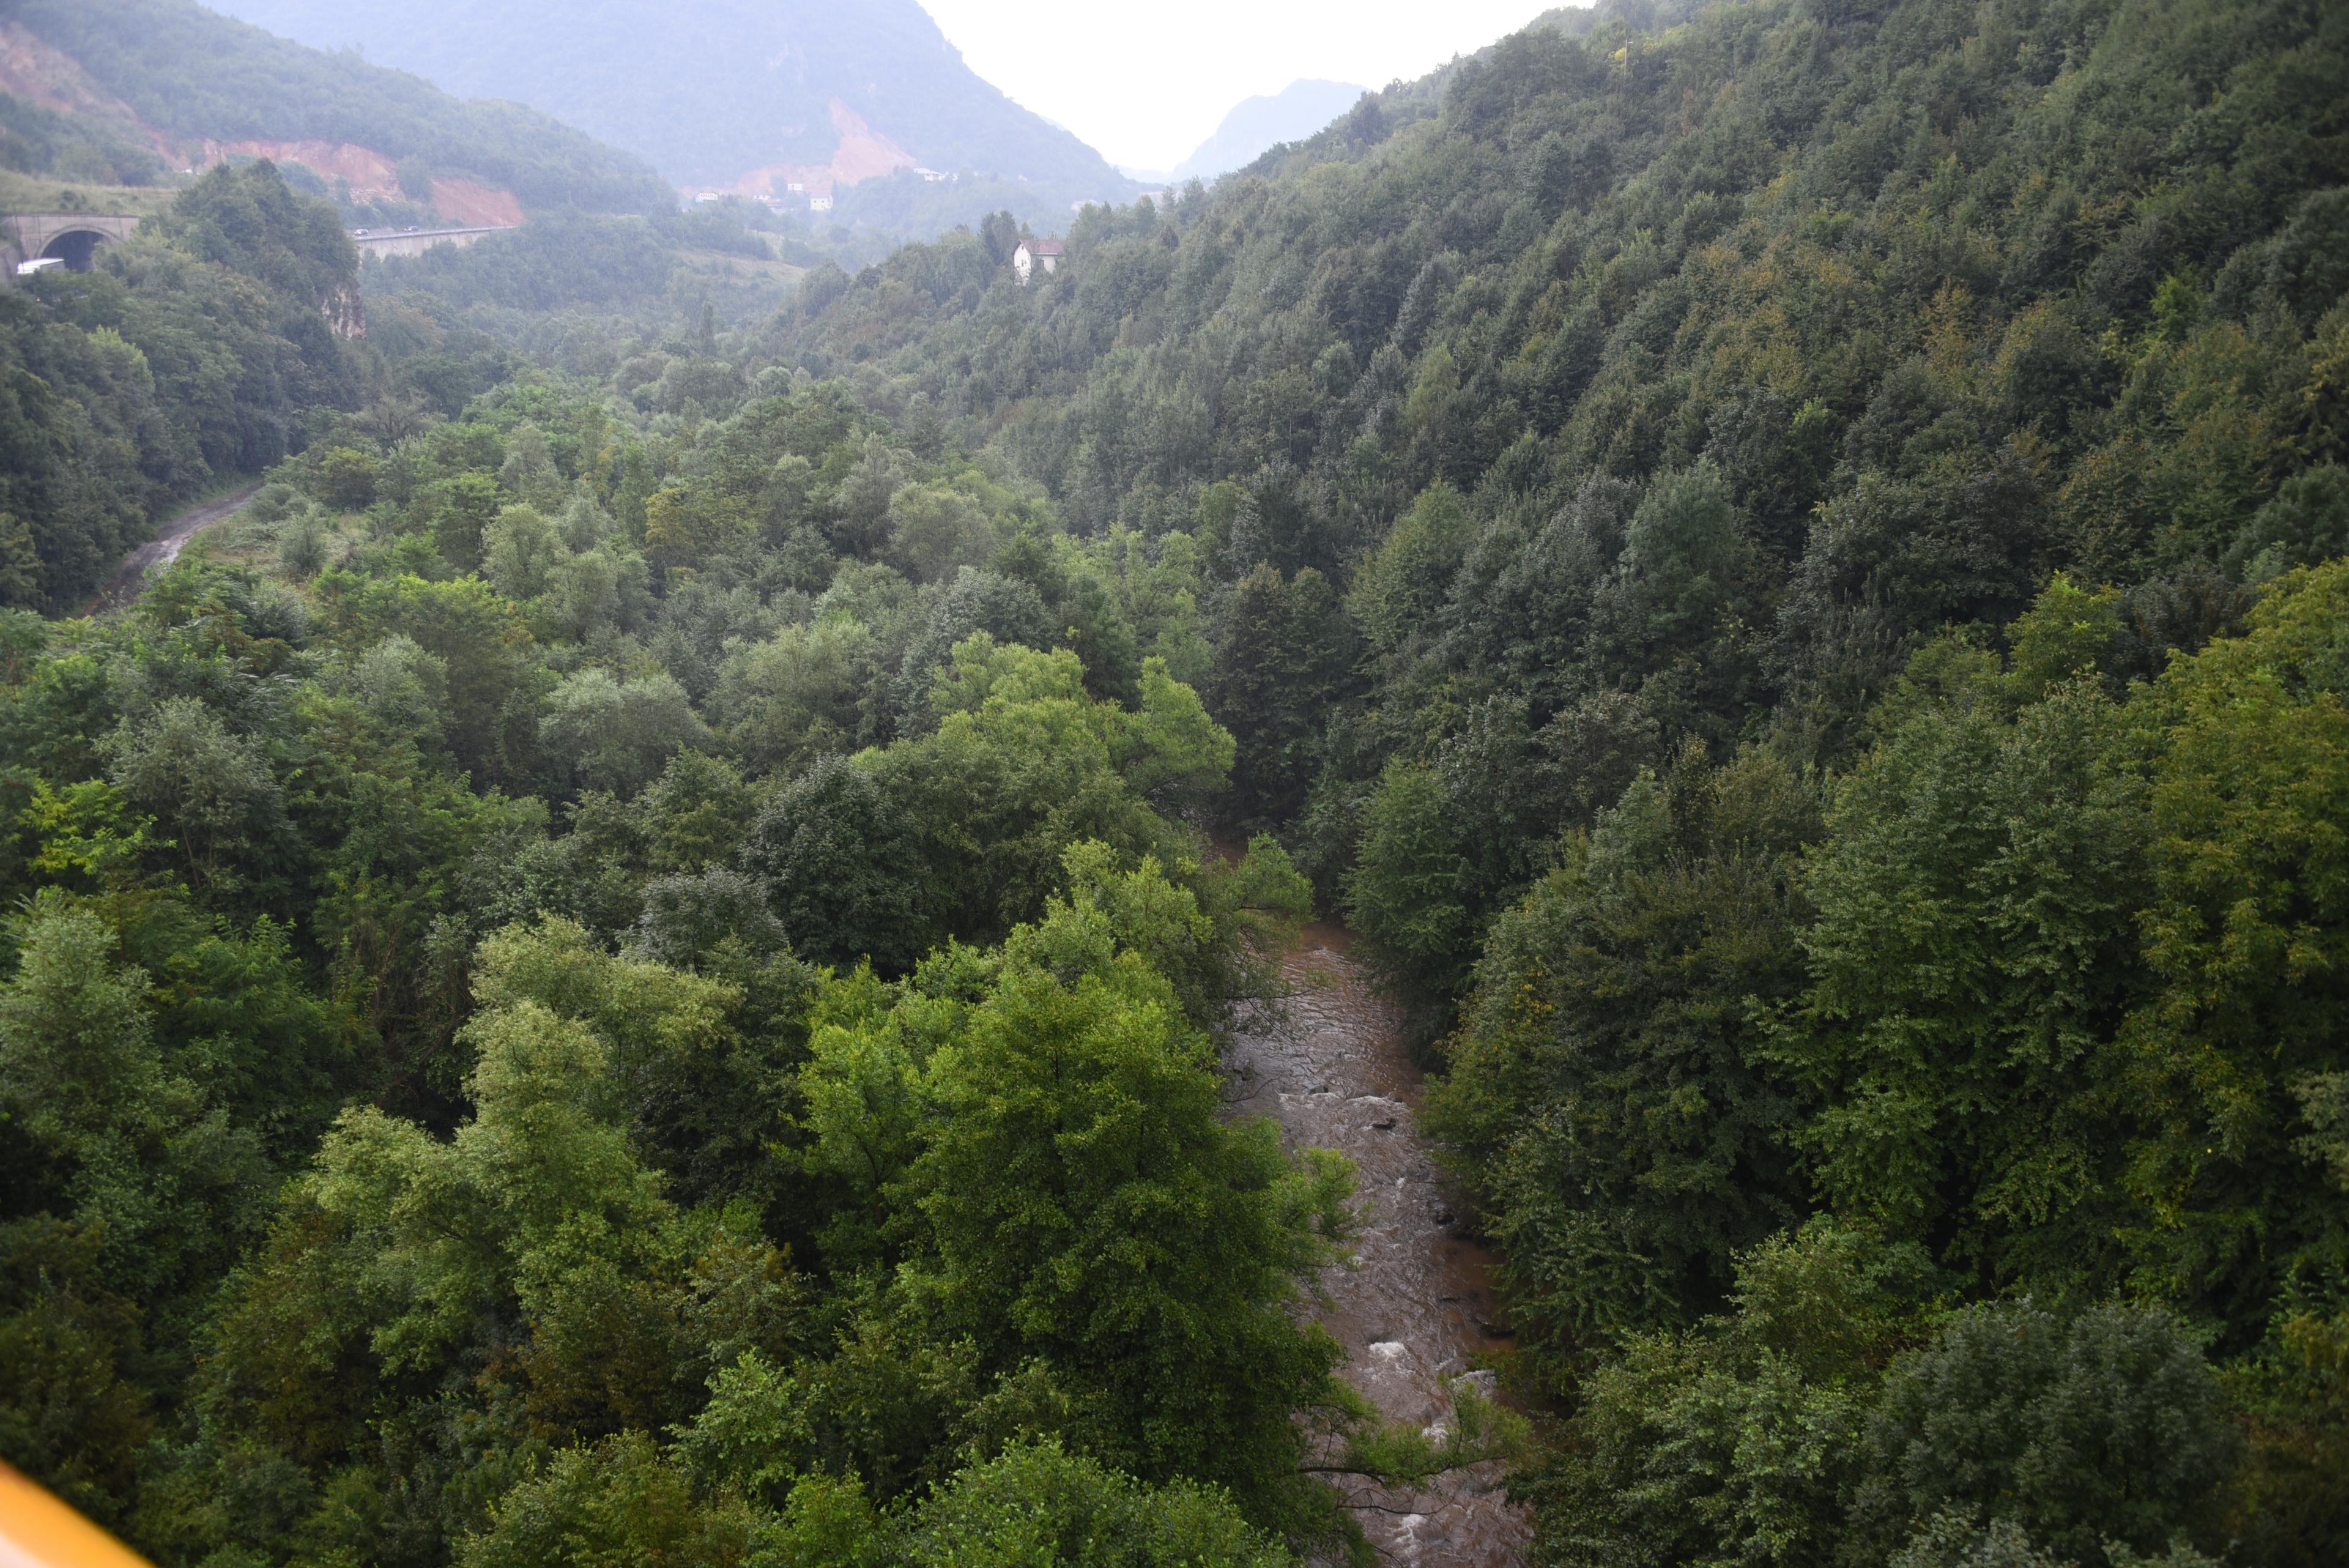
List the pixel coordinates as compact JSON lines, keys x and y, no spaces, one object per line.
{"x":76,"y":248}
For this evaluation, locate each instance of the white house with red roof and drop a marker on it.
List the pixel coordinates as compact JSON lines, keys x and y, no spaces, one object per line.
{"x":1033,"y":253}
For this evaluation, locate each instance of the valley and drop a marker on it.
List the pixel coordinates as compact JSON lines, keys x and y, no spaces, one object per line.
{"x":1593,"y":815}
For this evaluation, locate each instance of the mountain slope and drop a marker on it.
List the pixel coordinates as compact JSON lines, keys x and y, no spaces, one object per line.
{"x":723,"y":93}
{"x":1609,"y":438}
{"x":194,"y":86}
{"x":1258,"y":124}
{"x":204,"y":349}
{"x":1906,"y":311}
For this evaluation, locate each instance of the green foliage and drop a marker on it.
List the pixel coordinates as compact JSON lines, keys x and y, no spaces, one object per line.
{"x":935,"y":531}
{"x":1623,"y":361}
{"x":618,"y":736}
{"x":247,"y":220}
{"x":105,"y":1130}
{"x":1281,"y":662}
{"x":2289,"y":1503}
{"x":398,"y":1253}
{"x":2308,"y":522}
{"x":1400,"y":589}
{"x":1741,"y":1440}
{"x":1036,"y":1502}
{"x":1041,"y":1505}
{"x":36,"y":140}
{"x":1025,"y":762}
{"x":1047,"y":1127}
{"x":1683,"y":558}
{"x":603,"y":1507}
{"x":2242,"y":931}
{"x":1778,"y":559}
{"x":1995,"y":865}
{"x":700,"y":1054}
{"x":196,"y":354}
{"x":2103,"y":1429}
{"x":1801,"y":1427}
{"x":211,"y":790}
{"x":1605,"y":1092}
{"x":72,"y":1408}
{"x":843,"y":872}
{"x":1409,"y":890}
{"x":483,"y":648}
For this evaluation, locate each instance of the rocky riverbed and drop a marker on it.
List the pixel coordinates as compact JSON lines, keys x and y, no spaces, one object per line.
{"x":1416,"y":1308}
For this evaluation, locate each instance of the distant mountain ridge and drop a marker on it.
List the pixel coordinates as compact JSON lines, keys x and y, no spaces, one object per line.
{"x":724,"y":94}
{"x":1258,"y":124}
{"x":186,"y":87}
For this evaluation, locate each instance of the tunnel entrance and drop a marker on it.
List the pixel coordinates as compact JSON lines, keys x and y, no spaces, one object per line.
{"x":76,"y":248}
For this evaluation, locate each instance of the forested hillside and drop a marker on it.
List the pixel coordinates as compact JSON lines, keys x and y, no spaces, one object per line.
{"x":207,"y":349}
{"x":188,"y":75}
{"x":644,"y":951}
{"x":1756,"y":561}
{"x":201,"y":350}
{"x":740,"y":97}
{"x":636,"y":968}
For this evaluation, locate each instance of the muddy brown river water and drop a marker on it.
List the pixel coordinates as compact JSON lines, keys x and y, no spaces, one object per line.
{"x":1416,"y":1308}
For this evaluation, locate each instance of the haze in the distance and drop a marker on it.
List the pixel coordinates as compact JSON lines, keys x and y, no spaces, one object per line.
{"x":1146,"y":84}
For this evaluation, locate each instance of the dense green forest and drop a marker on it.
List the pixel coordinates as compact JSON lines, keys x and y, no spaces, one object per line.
{"x":201,"y":350}
{"x":581,"y":291}
{"x":651,"y":955}
{"x":635,"y":968}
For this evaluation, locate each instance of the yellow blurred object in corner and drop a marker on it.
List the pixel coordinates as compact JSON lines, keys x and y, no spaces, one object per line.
{"x":39,"y":1531}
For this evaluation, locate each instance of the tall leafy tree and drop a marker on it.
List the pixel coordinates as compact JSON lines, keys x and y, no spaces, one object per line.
{"x":2244,"y":931}
{"x":1608,"y":1092}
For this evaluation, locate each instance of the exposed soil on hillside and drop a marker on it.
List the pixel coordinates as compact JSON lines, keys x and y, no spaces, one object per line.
{"x":41,"y":73}
{"x":864,"y":153}
{"x":373,"y":177}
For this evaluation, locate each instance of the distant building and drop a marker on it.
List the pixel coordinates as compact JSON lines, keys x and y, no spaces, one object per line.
{"x":1033,"y":253}
{"x":819,"y":203}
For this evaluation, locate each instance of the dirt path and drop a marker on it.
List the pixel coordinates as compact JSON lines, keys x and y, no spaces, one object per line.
{"x":130,"y":581}
{"x":1330,"y":1065}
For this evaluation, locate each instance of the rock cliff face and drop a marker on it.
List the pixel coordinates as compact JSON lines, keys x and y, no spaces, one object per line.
{"x":346,"y":312}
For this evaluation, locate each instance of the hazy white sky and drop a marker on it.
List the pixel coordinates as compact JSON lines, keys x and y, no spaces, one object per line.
{"x":1144,"y":84}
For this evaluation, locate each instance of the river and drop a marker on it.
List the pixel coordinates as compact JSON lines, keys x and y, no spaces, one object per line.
{"x":1416,"y":1306}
